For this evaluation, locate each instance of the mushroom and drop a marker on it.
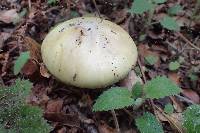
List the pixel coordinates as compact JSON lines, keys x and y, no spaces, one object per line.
{"x":89,"y":52}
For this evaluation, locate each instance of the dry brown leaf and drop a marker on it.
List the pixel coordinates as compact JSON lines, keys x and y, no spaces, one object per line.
{"x":178,"y":105}
{"x":44,"y":71}
{"x":130,"y":80}
{"x":104,"y":128}
{"x":29,"y":68}
{"x":174,"y":77}
{"x":192,"y":95}
{"x":3,"y":37}
{"x":34,"y":49}
{"x":174,"y":122}
{"x":54,"y":106}
{"x":65,"y":119}
{"x":9,"y":16}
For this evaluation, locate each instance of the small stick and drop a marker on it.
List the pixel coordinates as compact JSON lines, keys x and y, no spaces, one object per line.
{"x":115,"y":120}
{"x":185,"y":99}
{"x":95,"y":4}
{"x":187,"y":41}
{"x":145,"y":80}
{"x":29,"y":5}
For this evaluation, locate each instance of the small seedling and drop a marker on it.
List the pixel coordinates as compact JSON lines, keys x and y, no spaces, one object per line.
{"x":142,"y":6}
{"x":169,"y":108}
{"x":21,"y":61}
{"x":174,"y":65}
{"x":151,"y":59}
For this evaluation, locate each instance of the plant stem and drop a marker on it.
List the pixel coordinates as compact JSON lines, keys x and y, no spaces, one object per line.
{"x":150,"y":17}
{"x":116,"y":121}
{"x":95,"y":4}
{"x":187,"y":41}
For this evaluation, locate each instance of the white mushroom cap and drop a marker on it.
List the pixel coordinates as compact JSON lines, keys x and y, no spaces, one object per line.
{"x":89,"y":52}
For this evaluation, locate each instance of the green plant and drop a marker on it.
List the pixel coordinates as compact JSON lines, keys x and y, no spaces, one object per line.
{"x":191,"y":119}
{"x":174,"y":65}
{"x":158,"y":87}
{"x":51,"y":2}
{"x":120,"y":97}
{"x":141,"y":6}
{"x":148,"y":124}
{"x":21,"y":61}
{"x":151,"y":59}
{"x":169,"y":108}
{"x":15,"y":115}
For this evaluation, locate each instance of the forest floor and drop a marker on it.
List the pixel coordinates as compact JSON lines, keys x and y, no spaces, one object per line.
{"x":25,"y":23}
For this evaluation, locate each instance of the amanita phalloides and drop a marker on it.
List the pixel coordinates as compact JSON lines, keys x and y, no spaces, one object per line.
{"x":89,"y":52}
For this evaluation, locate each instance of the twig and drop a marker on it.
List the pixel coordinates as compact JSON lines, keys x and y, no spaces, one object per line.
{"x":95,"y":4}
{"x":187,"y":41}
{"x":185,"y":99}
{"x":29,"y":5}
{"x":115,"y":120}
{"x":145,"y":80}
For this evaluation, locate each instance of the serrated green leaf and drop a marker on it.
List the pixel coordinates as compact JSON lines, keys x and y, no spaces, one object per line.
{"x":160,"y":87}
{"x":169,"y":108}
{"x":170,"y":23}
{"x":174,"y":65}
{"x":151,"y":59}
{"x":21,"y":61}
{"x":192,"y":119}
{"x":141,"y":6}
{"x":114,"y":98}
{"x":148,"y":124}
{"x":174,"y":9}
{"x":159,"y":1}
{"x":137,"y":90}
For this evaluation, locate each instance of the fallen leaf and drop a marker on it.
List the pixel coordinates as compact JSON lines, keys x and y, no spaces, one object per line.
{"x":3,"y":37}
{"x":44,"y":71}
{"x":54,"y":106}
{"x":174,"y":77}
{"x":104,"y":128}
{"x":62,"y":130}
{"x":34,"y":49}
{"x":66,"y":119}
{"x":192,"y":95}
{"x":130,"y":80}
{"x":9,"y":16}
{"x":177,"y":104}
{"x":29,"y":68}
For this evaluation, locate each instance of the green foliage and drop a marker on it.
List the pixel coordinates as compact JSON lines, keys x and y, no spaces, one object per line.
{"x":51,"y":2}
{"x":141,"y":6}
{"x":174,"y":65}
{"x":159,"y":1}
{"x":114,"y":98}
{"x":170,"y":23}
{"x":137,"y":90}
{"x":21,"y":61}
{"x":16,"y":113}
{"x":160,"y":87}
{"x":169,"y":108}
{"x":174,"y":9}
{"x":151,"y":59}
{"x":192,"y":119}
{"x":148,"y":124}
{"x":193,"y":77}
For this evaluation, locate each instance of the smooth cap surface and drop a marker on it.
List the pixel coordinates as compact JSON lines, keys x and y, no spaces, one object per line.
{"x":89,"y":52}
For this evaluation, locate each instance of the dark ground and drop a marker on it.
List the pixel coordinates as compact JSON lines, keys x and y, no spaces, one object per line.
{"x":68,"y":109}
